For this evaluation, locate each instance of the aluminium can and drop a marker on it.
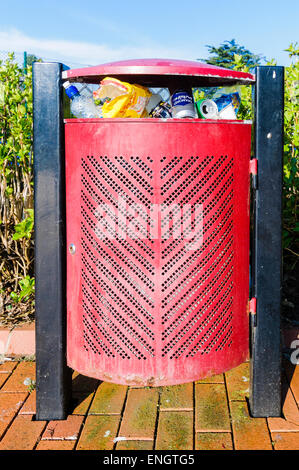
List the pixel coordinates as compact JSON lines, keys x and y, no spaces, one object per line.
{"x":182,"y":105}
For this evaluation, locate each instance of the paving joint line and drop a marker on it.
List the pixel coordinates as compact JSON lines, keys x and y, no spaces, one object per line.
{"x":8,"y":377}
{"x":289,"y":383}
{"x":84,"y":418}
{"x":229,"y":411}
{"x":13,"y":418}
{"x":40,"y":436}
{"x":121,"y":416}
{"x":157,"y":418}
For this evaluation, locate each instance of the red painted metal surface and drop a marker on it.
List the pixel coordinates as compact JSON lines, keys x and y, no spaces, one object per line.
{"x":160,"y":68}
{"x":253,"y":166}
{"x":144,"y":305}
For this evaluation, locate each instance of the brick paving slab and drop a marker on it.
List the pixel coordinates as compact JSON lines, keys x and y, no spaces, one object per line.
{"x":109,"y":399}
{"x":281,"y":425}
{"x":213,"y":441}
{"x":286,"y":441}
{"x":237,"y":382}
{"x":98,"y":433}
{"x":82,"y":383}
{"x":23,"y":434}
{"x":214,"y":379}
{"x":175,"y":431}
{"x":3,"y":377}
{"x":64,"y":429}
{"x":8,"y":366}
{"x":177,"y":397}
{"x":290,"y":409}
{"x":140,"y":413}
{"x":249,"y":433}
{"x":134,"y":445}
{"x":15,"y":383}
{"x":208,"y":399}
{"x":81,"y":402}
{"x":292,"y":374}
{"x":10,"y":403}
{"x":103,"y":414}
{"x":29,"y":407}
{"x":56,"y":445}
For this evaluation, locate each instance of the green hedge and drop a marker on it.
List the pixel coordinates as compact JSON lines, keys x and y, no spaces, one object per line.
{"x":16,"y":194}
{"x":290,"y":154}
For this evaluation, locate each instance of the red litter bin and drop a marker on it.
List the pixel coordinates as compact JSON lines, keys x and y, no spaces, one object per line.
{"x":150,"y":301}
{"x":157,"y":235}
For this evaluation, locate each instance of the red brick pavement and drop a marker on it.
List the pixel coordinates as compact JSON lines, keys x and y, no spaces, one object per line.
{"x":210,"y":414}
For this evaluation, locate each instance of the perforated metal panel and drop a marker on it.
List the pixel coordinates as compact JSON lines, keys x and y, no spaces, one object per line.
{"x":157,"y":287}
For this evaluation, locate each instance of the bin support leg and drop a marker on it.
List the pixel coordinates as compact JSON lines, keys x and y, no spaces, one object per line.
{"x":53,"y":377}
{"x":265,"y":393}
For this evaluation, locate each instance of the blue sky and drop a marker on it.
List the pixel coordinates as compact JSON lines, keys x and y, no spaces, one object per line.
{"x":92,"y":32}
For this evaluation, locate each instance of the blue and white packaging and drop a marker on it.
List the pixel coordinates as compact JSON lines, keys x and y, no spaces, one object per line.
{"x":182,"y":105}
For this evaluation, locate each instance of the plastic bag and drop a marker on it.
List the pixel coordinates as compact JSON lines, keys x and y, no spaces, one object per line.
{"x":218,"y":103}
{"x":233,"y":93}
{"x":121,"y":99}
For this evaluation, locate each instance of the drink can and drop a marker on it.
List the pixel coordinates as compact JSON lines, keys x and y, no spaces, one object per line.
{"x":207,"y":109}
{"x":162,"y":110}
{"x":182,"y":105}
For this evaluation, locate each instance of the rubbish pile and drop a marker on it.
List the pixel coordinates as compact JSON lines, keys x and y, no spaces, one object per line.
{"x":117,"y":99}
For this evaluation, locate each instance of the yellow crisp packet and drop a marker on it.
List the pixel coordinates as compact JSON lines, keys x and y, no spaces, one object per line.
{"x":122,"y":99}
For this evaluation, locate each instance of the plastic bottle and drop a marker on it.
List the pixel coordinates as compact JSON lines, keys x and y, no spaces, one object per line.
{"x":81,"y":106}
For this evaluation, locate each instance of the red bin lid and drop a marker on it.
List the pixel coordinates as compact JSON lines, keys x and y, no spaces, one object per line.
{"x":154,"y":71}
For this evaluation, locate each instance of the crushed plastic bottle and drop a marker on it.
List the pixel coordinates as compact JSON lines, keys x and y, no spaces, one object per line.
{"x":81,"y":106}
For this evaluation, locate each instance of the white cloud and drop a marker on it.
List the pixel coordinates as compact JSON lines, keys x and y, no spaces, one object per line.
{"x":86,"y":53}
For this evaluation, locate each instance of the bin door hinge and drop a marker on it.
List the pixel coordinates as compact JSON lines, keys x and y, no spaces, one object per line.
{"x":253,"y":171}
{"x":252,"y":310}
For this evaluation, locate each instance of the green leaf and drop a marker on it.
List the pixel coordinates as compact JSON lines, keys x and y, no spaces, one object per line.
{"x":14,"y":296}
{"x":27,"y":286}
{"x":25,"y":228}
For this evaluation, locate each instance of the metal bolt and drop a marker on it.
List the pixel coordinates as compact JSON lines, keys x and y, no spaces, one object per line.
{"x":269,"y":135}
{"x":72,"y":248}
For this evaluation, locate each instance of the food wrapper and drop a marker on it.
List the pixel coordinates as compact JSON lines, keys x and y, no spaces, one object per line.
{"x":231,"y":94}
{"x":121,"y":99}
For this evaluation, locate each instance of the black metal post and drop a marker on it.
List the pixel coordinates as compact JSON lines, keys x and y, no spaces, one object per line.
{"x":265,"y":393}
{"x":53,"y":377}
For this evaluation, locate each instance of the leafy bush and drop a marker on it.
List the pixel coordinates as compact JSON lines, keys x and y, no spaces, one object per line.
{"x":291,"y":158}
{"x":223,"y":56}
{"x":290,"y":154}
{"x":290,"y":296}
{"x":16,"y":193}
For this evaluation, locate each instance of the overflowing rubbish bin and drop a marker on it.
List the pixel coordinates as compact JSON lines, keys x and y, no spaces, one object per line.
{"x":155,"y":254}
